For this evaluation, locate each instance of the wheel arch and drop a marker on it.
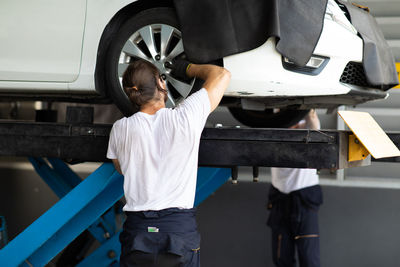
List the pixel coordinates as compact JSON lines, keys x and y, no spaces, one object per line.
{"x":110,"y":30}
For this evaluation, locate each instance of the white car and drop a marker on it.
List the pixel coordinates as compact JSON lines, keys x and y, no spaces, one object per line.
{"x":77,"y":50}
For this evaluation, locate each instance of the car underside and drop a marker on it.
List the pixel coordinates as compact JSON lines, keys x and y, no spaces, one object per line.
{"x":266,"y":80}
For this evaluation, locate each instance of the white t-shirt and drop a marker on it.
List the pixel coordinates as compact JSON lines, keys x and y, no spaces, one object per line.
{"x":158,"y":154}
{"x":287,"y":180}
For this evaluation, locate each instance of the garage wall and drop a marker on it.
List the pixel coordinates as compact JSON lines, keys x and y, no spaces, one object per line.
{"x":387,"y":14}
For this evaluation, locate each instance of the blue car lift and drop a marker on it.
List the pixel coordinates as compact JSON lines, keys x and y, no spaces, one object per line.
{"x":3,"y":232}
{"x":88,"y":204}
{"x":93,"y":205}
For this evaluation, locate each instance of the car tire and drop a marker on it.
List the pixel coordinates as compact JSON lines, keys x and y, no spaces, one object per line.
{"x":135,"y":30}
{"x":284,"y":118}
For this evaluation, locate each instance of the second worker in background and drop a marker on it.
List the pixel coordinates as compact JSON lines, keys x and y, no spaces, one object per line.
{"x":293,"y":201}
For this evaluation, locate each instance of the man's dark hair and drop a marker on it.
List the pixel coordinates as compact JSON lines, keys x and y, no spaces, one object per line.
{"x":140,"y":83}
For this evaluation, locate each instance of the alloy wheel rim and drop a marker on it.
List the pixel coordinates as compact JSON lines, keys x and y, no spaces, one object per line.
{"x":158,"y":44}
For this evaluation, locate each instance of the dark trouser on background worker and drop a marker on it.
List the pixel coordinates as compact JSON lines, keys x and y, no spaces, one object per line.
{"x":294,"y":199}
{"x":294,"y":223}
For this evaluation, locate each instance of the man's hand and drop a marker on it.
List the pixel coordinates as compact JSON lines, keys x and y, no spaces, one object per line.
{"x":179,"y":68}
{"x":216,"y":79}
{"x":312,"y":121}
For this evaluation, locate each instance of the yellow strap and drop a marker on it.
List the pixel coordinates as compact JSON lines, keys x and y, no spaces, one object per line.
{"x":187,"y":68}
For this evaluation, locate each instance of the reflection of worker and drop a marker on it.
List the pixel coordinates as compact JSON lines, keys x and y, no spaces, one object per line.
{"x":294,"y":199}
{"x":156,"y":150}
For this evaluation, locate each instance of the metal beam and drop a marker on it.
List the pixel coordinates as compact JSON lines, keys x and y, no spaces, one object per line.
{"x":219,"y":147}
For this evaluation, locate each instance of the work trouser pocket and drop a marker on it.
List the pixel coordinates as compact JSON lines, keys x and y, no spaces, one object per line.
{"x":163,"y":249}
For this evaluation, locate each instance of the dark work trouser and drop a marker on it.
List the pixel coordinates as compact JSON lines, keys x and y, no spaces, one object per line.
{"x":165,"y":238}
{"x":294,"y":223}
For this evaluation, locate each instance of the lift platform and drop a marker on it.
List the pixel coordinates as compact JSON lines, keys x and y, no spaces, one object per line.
{"x":219,"y":147}
{"x":92,"y":206}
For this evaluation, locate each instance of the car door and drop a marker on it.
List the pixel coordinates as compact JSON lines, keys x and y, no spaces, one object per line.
{"x":41,"y":40}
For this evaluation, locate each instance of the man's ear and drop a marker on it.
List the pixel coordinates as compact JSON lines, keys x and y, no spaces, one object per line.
{"x":161,"y":83}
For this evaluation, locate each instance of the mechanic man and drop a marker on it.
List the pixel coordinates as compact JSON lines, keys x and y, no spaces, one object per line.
{"x":294,"y":199}
{"x":156,"y":150}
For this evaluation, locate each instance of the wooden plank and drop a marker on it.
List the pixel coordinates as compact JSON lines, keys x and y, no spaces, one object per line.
{"x":370,"y":134}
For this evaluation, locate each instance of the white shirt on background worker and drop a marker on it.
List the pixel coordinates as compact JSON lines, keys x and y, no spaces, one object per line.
{"x":287,"y":180}
{"x":158,"y":154}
